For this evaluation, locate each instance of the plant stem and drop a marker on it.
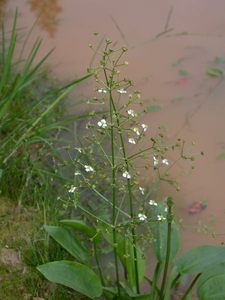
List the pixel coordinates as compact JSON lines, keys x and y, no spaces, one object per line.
{"x":114,"y":199}
{"x":113,"y":168}
{"x":113,"y":110}
{"x":190,"y":287}
{"x":130,"y":195}
{"x":98,"y":262}
{"x":154,"y":281}
{"x":168,"y":246}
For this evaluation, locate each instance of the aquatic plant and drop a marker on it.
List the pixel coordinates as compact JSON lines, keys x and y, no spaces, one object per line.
{"x":114,"y":219}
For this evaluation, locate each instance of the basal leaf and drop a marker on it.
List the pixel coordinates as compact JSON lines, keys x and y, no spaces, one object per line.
{"x":213,"y":288}
{"x":80,"y":226}
{"x":73,"y":275}
{"x":69,"y":242}
{"x":199,"y":259}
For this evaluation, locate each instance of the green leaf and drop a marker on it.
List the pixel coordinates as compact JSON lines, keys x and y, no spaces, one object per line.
{"x":126,"y":254}
{"x":81,"y":226}
{"x":198,"y":259}
{"x":73,"y":275}
{"x":159,"y":231}
{"x":221,"y":156}
{"x":67,"y":241}
{"x":219,"y":60}
{"x":215,"y":72}
{"x":212,"y":286}
{"x":152,"y":108}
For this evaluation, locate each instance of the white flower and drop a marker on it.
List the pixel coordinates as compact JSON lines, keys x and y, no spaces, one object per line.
{"x":136,"y":130}
{"x":131,"y":141}
{"x":161,"y":218}
{"x":72,"y":189}
{"x":77,"y":173}
{"x":122,"y":91}
{"x":102,"y":123}
{"x":78,"y":149}
{"x":166,"y":209}
{"x":131,"y":113}
{"x":152,"y":202}
{"x":142,"y":190}
{"x":142,"y":217}
{"x":102,"y":91}
{"x":88,"y":168}
{"x":165,"y":161}
{"x":156,"y":161}
{"x":144,"y":126}
{"x":126,"y":175}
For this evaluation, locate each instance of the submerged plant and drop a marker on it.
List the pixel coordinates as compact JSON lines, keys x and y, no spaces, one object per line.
{"x":115,"y":221}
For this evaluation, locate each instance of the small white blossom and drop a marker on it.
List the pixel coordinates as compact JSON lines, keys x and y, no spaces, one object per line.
{"x":166,"y":209}
{"x":102,"y":123}
{"x":122,"y":91}
{"x":102,"y":91}
{"x":142,"y":190}
{"x":144,"y":126}
{"x":131,"y":113}
{"x":72,"y":189}
{"x":79,"y":150}
{"x":88,"y":168}
{"x":156,"y":161}
{"x":142,"y":217}
{"x":152,"y":202}
{"x":126,"y":175}
{"x":132,"y":141}
{"x":165,"y":161}
{"x":161,"y":218}
{"x":136,"y":130}
{"x":77,"y":173}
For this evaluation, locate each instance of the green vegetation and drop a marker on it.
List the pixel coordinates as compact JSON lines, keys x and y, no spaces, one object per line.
{"x":104,"y":226}
{"x":31,"y":123}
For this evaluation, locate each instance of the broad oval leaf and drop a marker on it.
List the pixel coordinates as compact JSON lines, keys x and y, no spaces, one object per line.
{"x":73,"y":275}
{"x":69,"y":242}
{"x":213,"y":288}
{"x":198,"y":259}
{"x":205,"y":279}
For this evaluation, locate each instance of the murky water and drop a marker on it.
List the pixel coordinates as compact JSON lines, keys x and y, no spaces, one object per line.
{"x":171,"y":46}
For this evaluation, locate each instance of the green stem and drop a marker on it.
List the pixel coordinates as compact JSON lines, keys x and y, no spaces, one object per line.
{"x":113,"y":168}
{"x":113,"y":110}
{"x":190,"y":287}
{"x":114,"y":200}
{"x":154,"y":281}
{"x":130,"y":195}
{"x":98,"y":263}
{"x":168,"y":246}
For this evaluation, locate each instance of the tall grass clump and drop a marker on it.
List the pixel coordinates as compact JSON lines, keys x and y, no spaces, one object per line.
{"x":30,"y":121}
{"x":116,"y":230}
